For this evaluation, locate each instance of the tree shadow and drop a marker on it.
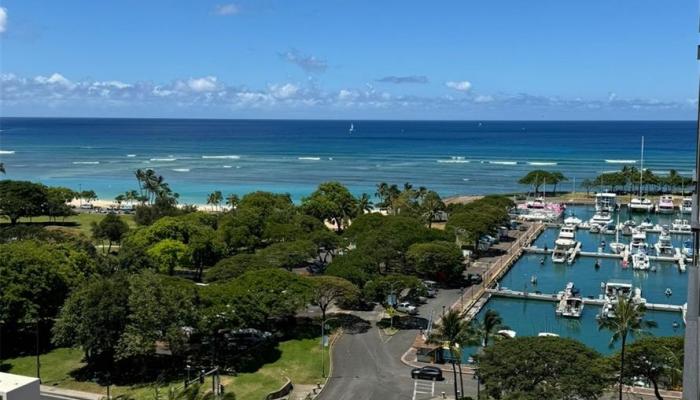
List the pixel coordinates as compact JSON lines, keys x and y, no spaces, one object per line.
{"x":404,"y":322}
{"x":351,"y":324}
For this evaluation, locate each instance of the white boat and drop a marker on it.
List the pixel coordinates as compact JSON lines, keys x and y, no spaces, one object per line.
{"x":665,"y":205}
{"x":564,"y":244}
{"x":612,"y":291}
{"x":601,"y":219}
{"x":570,"y":302}
{"x":605,"y":202}
{"x":687,"y":249}
{"x":352,"y":128}
{"x":507,"y":333}
{"x":640,"y":261}
{"x":572,"y":221}
{"x":646,"y":225}
{"x":617,"y":247}
{"x":687,"y":205}
{"x":639,"y":240}
{"x":641,"y":204}
{"x":547,"y":334}
{"x":681,"y":226}
{"x":684,"y":310}
{"x":664,"y":246}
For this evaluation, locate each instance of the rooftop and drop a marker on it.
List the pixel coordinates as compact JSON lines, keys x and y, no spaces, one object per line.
{"x":10,"y":382}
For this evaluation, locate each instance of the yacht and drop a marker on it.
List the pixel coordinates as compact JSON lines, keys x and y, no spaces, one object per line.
{"x":665,"y":205}
{"x":605,"y":202}
{"x":547,"y":334}
{"x":681,"y":226}
{"x":687,"y":205}
{"x":572,"y":221}
{"x":570,"y":302}
{"x":639,"y":240}
{"x":646,"y":225}
{"x":640,"y":261}
{"x":602,"y":218}
{"x":564,"y":244}
{"x":664,"y":246}
{"x":507,"y":333}
{"x":612,"y":291}
{"x":537,"y":203}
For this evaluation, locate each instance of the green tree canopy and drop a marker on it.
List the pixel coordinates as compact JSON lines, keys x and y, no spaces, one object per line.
{"x":111,"y":228}
{"x":439,"y":260}
{"x":331,"y":201}
{"x":22,"y":199}
{"x":542,"y":368}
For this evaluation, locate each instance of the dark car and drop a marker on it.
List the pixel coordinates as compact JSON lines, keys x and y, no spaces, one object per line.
{"x":474,"y":279}
{"x":429,"y":373}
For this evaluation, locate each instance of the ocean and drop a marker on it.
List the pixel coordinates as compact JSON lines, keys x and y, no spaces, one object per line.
{"x":294,"y":156}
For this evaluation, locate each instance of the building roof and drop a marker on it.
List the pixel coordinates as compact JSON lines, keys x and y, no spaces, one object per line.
{"x":10,"y":382}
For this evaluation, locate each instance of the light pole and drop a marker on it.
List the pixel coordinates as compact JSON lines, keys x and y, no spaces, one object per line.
{"x":691,"y":361}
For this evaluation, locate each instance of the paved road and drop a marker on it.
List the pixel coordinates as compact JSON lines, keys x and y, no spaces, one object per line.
{"x":367,"y":364}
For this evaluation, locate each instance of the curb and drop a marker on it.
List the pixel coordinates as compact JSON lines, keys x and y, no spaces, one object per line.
{"x":330,"y":360}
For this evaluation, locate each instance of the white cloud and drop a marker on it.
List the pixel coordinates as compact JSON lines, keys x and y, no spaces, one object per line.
{"x":306,"y":62}
{"x":462,"y":86}
{"x":227,"y":9}
{"x":284,"y":91}
{"x":205,"y":84}
{"x":483,"y":99}
{"x":54,"y":79}
{"x":3,"y":19}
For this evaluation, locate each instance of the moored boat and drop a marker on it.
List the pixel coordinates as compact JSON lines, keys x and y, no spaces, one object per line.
{"x":665,"y":205}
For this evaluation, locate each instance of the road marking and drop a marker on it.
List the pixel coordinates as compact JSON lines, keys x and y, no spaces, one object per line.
{"x":423,"y":387}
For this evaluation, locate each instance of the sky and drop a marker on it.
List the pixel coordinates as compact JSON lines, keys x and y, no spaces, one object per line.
{"x":351,"y":59}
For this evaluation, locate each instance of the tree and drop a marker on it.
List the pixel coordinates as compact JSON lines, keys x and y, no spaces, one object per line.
{"x":112,"y":228}
{"x":160,"y":307}
{"x":232,"y":201}
{"x":168,"y":254}
{"x":533,"y":368}
{"x":326,"y":290}
{"x":439,"y":260}
{"x":535,"y":178}
{"x":2,"y":168}
{"x":627,"y":321}
{"x":215,"y":198}
{"x":657,"y":359}
{"x":56,"y":202}
{"x":22,"y":199}
{"x":94,"y":317}
{"x":233,"y":267}
{"x":331,"y":201}
{"x":430,"y":205}
{"x":453,"y":333}
{"x":287,"y":255}
{"x":364,"y":204}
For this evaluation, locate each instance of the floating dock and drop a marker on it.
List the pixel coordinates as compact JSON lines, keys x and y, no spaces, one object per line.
{"x":586,"y":300}
{"x":678,"y":258}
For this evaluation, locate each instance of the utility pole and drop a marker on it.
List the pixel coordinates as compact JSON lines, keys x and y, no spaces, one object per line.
{"x":691,"y":361}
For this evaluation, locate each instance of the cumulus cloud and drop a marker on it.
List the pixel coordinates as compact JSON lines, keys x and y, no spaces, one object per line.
{"x":306,"y":62}
{"x":403,"y":79}
{"x":461,"y":86}
{"x":227,"y":9}
{"x":57,"y":92}
{"x":205,"y":84}
{"x":3,"y":19}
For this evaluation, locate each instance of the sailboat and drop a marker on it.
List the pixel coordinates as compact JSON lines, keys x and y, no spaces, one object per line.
{"x":352,"y":128}
{"x":616,"y":246}
{"x":640,"y":203}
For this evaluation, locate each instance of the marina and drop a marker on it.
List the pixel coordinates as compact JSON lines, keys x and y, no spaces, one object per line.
{"x":559,"y":282}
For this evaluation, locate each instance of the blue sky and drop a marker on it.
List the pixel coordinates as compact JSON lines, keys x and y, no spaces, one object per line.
{"x":496,"y":59}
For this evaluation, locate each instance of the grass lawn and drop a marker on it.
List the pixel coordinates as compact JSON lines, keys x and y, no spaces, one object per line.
{"x":76,"y":223}
{"x":300,"y":360}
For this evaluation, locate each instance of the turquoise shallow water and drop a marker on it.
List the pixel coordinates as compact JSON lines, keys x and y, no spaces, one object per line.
{"x":239,"y":156}
{"x":530,"y":317}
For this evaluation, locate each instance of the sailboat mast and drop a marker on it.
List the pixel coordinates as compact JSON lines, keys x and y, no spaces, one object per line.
{"x":641,"y":169}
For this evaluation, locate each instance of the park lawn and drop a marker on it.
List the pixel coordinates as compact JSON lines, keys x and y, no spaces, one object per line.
{"x":300,"y":360}
{"x":79,"y":223}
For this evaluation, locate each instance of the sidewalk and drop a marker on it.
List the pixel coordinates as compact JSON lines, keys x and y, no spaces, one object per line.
{"x":56,"y":392}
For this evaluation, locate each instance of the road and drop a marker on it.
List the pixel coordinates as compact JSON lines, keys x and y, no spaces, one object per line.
{"x":367,"y":364}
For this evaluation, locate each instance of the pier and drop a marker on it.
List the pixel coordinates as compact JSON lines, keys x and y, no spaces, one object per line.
{"x":678,"y":258}
{"x":586,"y":300}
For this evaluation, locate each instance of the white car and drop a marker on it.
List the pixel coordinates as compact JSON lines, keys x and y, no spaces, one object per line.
{"x":407,"y":308}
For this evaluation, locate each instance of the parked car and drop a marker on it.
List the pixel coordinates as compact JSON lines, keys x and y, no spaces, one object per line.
{"x":407,"y":308}
{"x":430,"y":288}
{"x":474,"y":279}
{"x":429,"y":373}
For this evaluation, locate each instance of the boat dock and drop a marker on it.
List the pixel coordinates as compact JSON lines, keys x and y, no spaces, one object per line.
{"x":586,"y":300}
{"x":678,"y":258}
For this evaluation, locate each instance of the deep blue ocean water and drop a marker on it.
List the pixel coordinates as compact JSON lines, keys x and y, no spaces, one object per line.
{"x":238,"y":156}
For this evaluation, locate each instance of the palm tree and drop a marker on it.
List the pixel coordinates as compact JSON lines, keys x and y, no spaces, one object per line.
{"x":364,"y":204}
{"x":214,"y":198}
{"x":453,"y":332}
{"x":480,"y":332}
{"x":2,"y":167}
{"x":232,"y":201}
{"x":628,"y":320}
